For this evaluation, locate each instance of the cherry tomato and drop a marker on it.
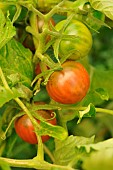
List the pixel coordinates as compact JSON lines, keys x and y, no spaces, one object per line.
{"x":70,"y":85}
{"x":25,"y":129}
{"x":78,"y":46}
{"x":38,"y":69}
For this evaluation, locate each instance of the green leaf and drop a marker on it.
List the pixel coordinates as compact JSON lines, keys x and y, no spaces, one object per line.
{"x":88,"y":112}
{"x":102,"y":93}
{"x":104,"y":6}
{"x":66,"y":151}
{"x":99,"y":160}
{"x":99,"y":146}
{"x":102,"y":79}
{"x":52,"y":130}
{"x":7,"y":30}
{"x":7,"y":95}
{"x":16,"y":64}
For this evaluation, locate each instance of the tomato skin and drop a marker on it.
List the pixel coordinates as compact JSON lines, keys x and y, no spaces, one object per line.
{"x":69,"y":85}
{"x":37,"y":69}
{"x":25,"y":130}
{"x":78,"y":47}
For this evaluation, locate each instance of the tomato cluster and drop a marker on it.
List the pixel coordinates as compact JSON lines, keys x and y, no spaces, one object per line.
{"x":71,"y":83}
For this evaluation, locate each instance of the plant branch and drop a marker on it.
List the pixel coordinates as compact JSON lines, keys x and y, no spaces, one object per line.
{"x":49,"y":153}
{"x":25,"y":109}
{"x":33,"y":163}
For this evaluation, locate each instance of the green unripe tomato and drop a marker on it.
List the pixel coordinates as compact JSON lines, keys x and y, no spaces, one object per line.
{"x":80,"y":45}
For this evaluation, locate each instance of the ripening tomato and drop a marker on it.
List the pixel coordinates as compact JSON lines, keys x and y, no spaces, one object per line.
{"x":25,"y":129}
{"x":79,"y":44}
{"x":70,"y":85}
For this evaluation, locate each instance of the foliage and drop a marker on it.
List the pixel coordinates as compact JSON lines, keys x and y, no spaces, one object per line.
{"x":83,"y":136}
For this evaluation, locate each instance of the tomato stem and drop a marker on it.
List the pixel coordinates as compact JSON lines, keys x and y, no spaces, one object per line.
{"x":25,"y":109}
{"x":49,"y":153}
{"x":33,"y":163}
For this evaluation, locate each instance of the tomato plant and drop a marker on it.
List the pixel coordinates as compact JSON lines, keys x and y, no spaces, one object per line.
{"x":24,"y":127}
{"x":56,"y":74}
{"x":69,"y":85}
{"x":77,"y":46}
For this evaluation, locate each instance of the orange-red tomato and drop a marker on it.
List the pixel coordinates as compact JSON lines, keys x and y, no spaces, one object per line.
{"x":25,"y":130}
{"x":70,"y":85}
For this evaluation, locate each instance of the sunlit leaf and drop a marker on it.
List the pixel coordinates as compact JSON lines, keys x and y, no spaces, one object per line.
{"x":16,"y":63}
{"x":105,"y":6}
{"x":88,"y":112}
{"x":99,"y":146}
{"x":6,"y":95}
{"x":7,"y":30}
{"x":54,"y":131}
{"x":99,"y":160}
{"x":66,"y":151}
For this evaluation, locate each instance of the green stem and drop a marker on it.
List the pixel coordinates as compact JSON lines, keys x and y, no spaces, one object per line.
{"x":55,"y":9}
{"x":101,"y":110}
{"x":36,"y":12}
{"x":33,"y":163}
{"x":34,"y":29}
{"x":49,"y":153}
{"x":25,"y":109}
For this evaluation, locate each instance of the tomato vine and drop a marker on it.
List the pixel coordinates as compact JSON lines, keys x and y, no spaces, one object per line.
{"x":56,"y":38}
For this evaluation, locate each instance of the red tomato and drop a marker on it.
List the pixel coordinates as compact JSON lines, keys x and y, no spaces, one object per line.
{"x":69,"y":85}
{"x":38,"y":69}
{"x":25,"y":129}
